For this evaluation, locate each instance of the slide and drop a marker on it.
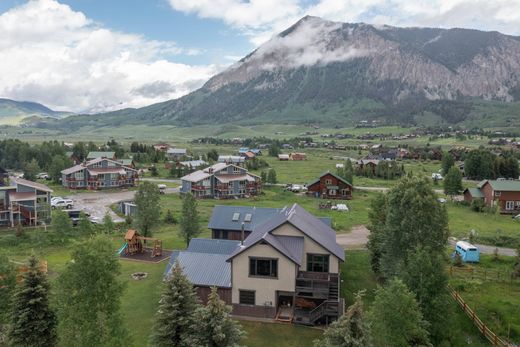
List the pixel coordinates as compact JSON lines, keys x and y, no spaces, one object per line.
{"x":122,"y":248}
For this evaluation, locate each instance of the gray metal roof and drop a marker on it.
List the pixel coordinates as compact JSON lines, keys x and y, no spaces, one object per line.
{"x":214,"y":246}
{"x":300,"y":219}
{"x":222,"y":217}
{"x":203,"y":269}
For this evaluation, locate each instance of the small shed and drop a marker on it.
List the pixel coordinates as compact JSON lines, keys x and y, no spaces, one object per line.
{"x":283,"y":157}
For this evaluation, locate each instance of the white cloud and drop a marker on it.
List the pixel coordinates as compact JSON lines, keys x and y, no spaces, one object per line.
{"x":261,"y":19}
{"x":56,"y":56}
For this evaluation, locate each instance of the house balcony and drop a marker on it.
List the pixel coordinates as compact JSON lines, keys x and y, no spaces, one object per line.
{"x":319,"y":285}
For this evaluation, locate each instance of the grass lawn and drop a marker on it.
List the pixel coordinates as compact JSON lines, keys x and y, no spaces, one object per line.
{"x":495,"y":302}
{"x":278,"y":198}
{"x":499,"y":230}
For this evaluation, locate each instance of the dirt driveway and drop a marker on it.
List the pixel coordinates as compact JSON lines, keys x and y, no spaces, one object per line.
{"x":356,"y":239}
{"x":97,"y":204}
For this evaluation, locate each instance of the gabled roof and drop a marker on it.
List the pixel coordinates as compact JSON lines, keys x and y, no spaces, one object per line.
{"x":176,"y":151}
{"x":329,"y":173}
{"x":502,"y":185}
{"x":193,"y":163}
{"x":73,"y":169}
{"x":215,"y":246}
{"x":475,"y":192}
{"x":204,"y":262}
{"x":303,"y":221}
{"x":196,"y":176}
{"x":98,"y":154}
{"x":222,"y":217}
{"x":32,"y":184}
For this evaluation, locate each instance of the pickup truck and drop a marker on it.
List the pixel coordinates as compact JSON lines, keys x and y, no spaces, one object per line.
{"x":62,"y":203}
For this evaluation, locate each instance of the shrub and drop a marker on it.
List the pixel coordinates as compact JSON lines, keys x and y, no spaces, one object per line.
{"x":478,"y":205}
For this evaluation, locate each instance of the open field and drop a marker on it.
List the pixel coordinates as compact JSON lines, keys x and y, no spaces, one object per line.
{"x":495,"y":302}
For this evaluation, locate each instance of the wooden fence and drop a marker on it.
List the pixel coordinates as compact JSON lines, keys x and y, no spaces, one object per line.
{"x":483,"y":274}
{"x":490,"y":335}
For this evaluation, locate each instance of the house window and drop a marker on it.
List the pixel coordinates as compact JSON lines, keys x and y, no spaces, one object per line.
{"x":510,"y":205}
{"x":344,"y":192}
{"x":328,"y":181}
{"x":498,"y":193}
{"x":318,"y":262}
{"x":246,"y":297}
{"x":236,"y":170}
{"x":263,"y":267}
{"x":332,"y":192}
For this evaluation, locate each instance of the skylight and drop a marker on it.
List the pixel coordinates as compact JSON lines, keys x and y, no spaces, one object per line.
{"x":248,"y":217}
{"x":236,"y":216}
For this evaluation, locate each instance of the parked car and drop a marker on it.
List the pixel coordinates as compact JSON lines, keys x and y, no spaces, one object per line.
{"x":43,"y":176}
{"x":74,"y":216}
{"x":62,"y":203}
{"x":517,"y":217}
{"x":162,"y":188}
{"x":296,"y":188}
{"x":436,"y":176}
{"x":56,"y":198}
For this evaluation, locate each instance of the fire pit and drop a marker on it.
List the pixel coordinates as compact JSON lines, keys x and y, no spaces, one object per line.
{"x":139,"y":275}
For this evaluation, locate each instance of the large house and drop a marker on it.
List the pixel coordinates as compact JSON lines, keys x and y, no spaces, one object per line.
{"x":176,"y":154}
{"x":99,"y":173}
{"x":232,"y":159}
{"x":96,"y":155}
{"x":502,"y":193}
{"x":221,"y":181}
{"x":228,"y":222}
{"x":330,"y":186}
{"x":288,"y":269}
{"x":25,"y":203}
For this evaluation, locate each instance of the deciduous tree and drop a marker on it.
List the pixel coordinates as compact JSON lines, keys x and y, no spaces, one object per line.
{"x":189,"y":223}
{"x":148,"y":209}
{"x":396,"y":319}
{"x":89,"y":297}
{"x":453,"y":182}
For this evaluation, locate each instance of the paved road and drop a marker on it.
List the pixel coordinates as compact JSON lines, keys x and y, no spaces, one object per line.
{"x":159,"y":180}
{"x":358,"y":237}
{"x":486,"y":249}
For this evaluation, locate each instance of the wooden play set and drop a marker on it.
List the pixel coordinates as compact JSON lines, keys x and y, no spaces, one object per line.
{"x":135,"y":244}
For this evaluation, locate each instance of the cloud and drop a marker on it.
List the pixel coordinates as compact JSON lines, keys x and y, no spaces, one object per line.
{"x":59,"y":57}
{"x":259,"y":20}
{"x":312,"y":42}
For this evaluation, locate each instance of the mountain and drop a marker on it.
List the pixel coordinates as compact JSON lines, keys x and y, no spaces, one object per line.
{"x":339,"y":73}
{"x":14,"y":112}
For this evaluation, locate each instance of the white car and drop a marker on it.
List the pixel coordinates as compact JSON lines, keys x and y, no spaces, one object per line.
{"x":62,"y":203}
{"x":43,"y":176}
{"x":436,"y":176}
{"x":56,"y":198}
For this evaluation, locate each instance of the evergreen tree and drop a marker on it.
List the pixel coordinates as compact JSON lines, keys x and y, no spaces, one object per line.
{"x":453,"y":182}
{"x":447,"y":162}
{"x":396,"y":319}
{"x":212,"y":155}
{"x":58,"y":164}
{"x":84,"y":225}
{"x":271,"y":176}
{"x":89,"y":297}
{"x":108,"y":223}
{"x":61,"y":223}
{"x":190,"y":225}
{"x":148,"y":209}
{"x":33,"y":323}
{"x":351,"y":330}
{"x":425,"y":276}
{"x":215,"y":327}
{"x":169,"y":218}
{"x":175,"y":317}
{"x":7,"y":285}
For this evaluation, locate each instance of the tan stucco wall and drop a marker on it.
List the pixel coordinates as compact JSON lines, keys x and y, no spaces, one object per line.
{"x":309,"y":246}
{"x":265,"y":287}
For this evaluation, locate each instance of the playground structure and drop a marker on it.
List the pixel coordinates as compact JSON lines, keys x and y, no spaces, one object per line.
{"x":135,"y":244}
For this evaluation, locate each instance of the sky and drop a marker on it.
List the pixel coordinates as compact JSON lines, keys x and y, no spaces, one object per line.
{"x":102,"y":55}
